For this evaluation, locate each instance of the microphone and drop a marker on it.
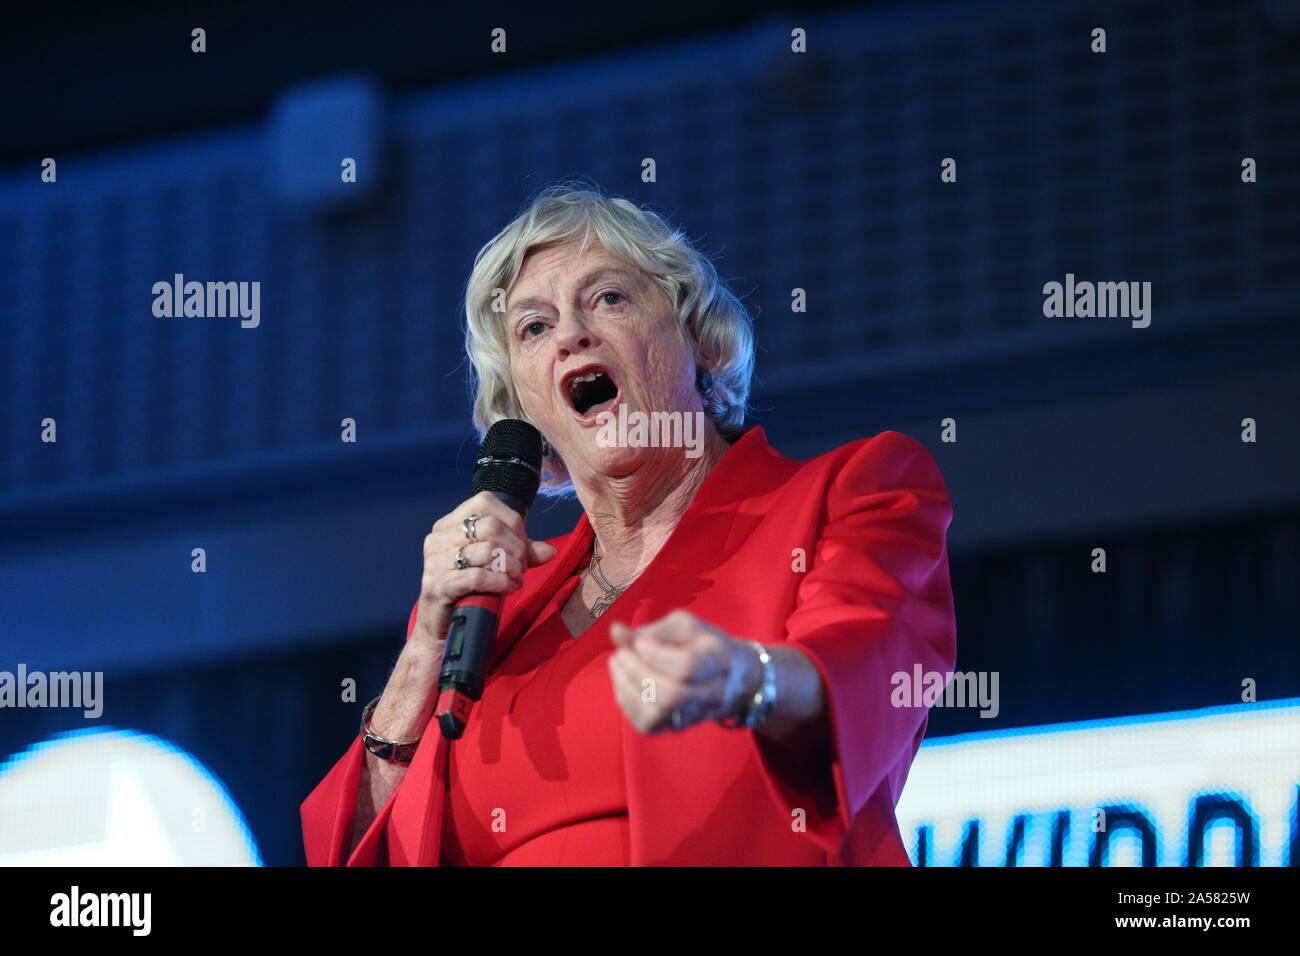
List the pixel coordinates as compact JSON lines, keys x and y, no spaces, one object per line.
{"x":509,"y":465}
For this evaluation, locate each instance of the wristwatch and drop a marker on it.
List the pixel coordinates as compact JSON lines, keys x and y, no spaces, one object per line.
{"x":755,"y":710}
{"x":399,"y":752}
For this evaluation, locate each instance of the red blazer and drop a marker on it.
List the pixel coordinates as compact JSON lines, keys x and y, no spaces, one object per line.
{"x":843,"y":555}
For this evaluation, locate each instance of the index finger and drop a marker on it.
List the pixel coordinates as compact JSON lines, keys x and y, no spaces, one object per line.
{"x":485,"y":502}
{"x":676,"y":628}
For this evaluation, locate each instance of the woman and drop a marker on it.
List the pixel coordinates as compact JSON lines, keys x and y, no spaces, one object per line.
{"x":700,"y":672}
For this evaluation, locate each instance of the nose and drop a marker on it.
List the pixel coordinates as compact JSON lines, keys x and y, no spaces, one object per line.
{"x":572,"y":333}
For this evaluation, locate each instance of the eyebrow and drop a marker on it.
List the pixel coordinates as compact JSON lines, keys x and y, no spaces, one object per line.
{"x":595,"y":275}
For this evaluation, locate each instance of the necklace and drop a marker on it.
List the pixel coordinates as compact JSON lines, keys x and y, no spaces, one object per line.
{"x":611,"y":591}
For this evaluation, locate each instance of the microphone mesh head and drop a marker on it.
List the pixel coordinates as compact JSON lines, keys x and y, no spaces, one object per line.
{"x":509,"y":444}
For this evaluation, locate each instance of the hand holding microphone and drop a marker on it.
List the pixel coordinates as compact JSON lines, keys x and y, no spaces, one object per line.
{"x":464,"y":595}
{"x":495,"y":562}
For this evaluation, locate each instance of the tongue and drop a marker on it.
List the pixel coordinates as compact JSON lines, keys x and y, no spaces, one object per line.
{"x":598,"y":406}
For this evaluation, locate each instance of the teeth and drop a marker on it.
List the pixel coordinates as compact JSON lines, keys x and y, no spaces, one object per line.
{"x":589,"y":377}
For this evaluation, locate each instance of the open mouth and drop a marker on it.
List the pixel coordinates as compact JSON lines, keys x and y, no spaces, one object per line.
{"x":590,"y":391}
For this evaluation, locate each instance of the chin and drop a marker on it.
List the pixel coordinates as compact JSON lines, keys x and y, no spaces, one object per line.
{"x":612,"y":462}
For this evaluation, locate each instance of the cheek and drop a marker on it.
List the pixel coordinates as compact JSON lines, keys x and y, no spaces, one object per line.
{"x":530,"y":398}
{"x":666,"y":359}
{"x":542,"y":401}
{"x":525,"y":374}
{"x":673,"y":370}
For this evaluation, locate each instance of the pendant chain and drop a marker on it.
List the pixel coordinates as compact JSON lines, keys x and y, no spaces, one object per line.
{"x":611,"y":591}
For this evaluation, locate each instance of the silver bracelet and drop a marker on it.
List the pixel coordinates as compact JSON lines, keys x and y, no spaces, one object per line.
{"x":756,"y":709}
{"x":394,"y":751}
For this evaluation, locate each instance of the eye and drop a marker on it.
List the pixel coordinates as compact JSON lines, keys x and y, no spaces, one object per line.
{"x":605,"y":295}
{"x":530,"y":326}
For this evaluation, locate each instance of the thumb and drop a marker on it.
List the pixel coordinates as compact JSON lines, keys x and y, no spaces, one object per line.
{"x":620,"y":634}
{"x":539,"y":552}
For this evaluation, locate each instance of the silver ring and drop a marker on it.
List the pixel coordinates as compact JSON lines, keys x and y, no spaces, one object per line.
{"x":468,"y":525}
{"x":461,"y":561}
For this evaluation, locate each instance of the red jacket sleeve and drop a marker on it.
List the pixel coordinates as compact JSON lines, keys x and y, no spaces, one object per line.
{"x":875,"y":600}
{"x":329,"y":812}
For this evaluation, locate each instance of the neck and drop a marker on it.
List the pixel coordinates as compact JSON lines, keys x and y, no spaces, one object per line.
{"x":633,"y":515}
